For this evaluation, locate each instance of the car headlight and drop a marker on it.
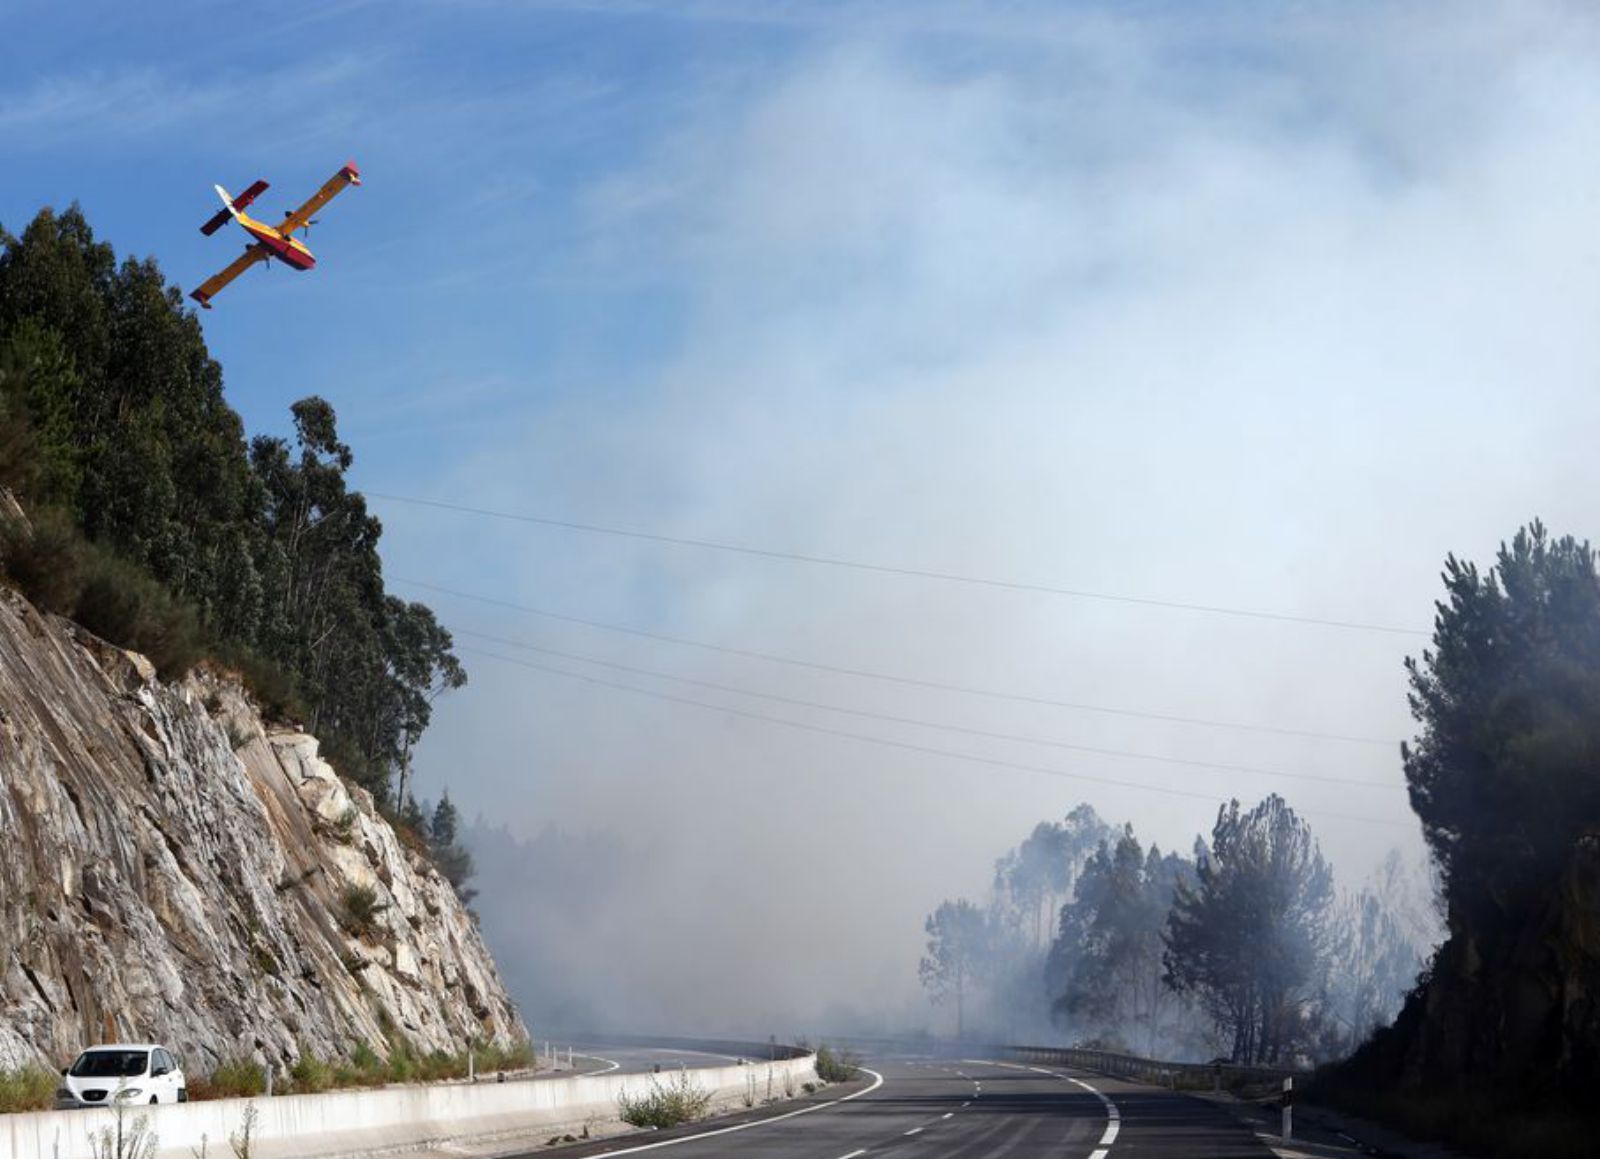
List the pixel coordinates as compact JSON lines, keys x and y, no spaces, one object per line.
{"x":129,"y":1093}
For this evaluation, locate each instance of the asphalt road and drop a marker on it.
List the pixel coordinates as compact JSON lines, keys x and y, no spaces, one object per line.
{"x":639,"y":1059}
{"x":939,"y":1109}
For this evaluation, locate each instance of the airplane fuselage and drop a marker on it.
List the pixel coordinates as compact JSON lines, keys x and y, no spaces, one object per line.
{"x":291,"y":251}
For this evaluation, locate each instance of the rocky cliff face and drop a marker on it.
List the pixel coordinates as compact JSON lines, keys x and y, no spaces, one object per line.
{"x":173,"y":869}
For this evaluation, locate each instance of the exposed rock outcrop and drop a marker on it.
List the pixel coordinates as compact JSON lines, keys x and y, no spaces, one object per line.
{"x":171,"y":868}
{"x":1511,"y":1002}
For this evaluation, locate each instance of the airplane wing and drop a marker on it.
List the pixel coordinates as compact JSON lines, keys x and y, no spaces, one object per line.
{"x":215,"y":282}
{"x":334,"y":186}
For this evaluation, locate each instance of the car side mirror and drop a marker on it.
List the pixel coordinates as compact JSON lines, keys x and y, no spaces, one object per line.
{"x":159,"y":1071}
{"x":65,"y":1069}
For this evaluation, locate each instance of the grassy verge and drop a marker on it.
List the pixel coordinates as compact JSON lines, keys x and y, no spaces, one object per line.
{"x":311,"y":1074}
{"x":27,"y":1088}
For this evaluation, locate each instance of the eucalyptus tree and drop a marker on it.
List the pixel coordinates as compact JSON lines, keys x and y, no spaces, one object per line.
{"x":959,"y":954}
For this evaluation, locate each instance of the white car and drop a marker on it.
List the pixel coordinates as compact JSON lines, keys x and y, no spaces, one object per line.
{"x":133,"y":1072}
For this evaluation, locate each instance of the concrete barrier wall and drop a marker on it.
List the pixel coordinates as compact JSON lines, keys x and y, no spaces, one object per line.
{"x":355,"y":1123}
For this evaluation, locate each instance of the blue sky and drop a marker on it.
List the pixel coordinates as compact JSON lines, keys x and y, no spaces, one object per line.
{"x":1246,"y":304}
{"x":479,"y":129}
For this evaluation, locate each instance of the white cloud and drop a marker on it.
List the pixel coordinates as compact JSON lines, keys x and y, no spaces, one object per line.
{"x":117,"y":106}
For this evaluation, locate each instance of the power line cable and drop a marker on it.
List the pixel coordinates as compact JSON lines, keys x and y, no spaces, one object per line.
{"x":890,"y":569}
{"x":919,"y":723}
{"x":884,"y":742}
{"x":891,"y":678}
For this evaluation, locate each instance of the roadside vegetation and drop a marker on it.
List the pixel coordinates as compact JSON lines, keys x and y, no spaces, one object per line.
{"x":680,"y":1100}
{"x":836,"y":1066}
{"x":313,"y":1074}
{"x":26,"y":1088}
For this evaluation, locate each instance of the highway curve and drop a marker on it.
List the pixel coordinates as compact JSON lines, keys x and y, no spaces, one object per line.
{"x":942,"y":1109}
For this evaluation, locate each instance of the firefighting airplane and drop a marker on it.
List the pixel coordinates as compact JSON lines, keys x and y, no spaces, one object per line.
{"x":271,"y":241}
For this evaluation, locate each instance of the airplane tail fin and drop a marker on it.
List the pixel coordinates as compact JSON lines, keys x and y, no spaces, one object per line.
{"x":231,"y":206}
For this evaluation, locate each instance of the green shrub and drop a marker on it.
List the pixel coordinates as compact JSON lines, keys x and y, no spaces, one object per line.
{"x":402,"y":1065}
{"x":232,"y":1078}
{"x":62,"y":572}
{"x":274,"y":689}
{"x":365,"y":1069}
{"x":310,"y":1074}
{"x":359,"y":910}
{"x":489,"y":1057}
{"x":665,"y":1104}
{"x":27,"y":1088}
{"x":439,"y":1066}
{"x":120,"y":602}
{"x":836,"y":1066}
{"x":47,"y":562}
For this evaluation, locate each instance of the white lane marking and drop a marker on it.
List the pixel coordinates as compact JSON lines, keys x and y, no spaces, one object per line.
{"x":877,"y":1081}
{"x":915,"y":1131}
{"x":948,"y":1115}
{"x":964,"y":1106}
{"x":611,"y":1066}
{"x":1113,"y":1116}
{"x":853,"y":1154}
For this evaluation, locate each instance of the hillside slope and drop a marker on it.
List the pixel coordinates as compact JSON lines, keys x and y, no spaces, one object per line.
{"x":174,"y":869}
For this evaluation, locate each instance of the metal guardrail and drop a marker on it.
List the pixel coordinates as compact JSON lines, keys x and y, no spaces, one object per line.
{"x":1191,"y":1076}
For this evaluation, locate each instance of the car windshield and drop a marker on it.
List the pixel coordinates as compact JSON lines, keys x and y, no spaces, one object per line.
{"x":110,"y":1064}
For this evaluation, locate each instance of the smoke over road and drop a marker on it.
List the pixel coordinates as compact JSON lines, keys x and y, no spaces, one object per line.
{"x":1249,"y":316}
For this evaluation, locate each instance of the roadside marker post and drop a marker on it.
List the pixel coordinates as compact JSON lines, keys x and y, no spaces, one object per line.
{"x":1288,"y":1108}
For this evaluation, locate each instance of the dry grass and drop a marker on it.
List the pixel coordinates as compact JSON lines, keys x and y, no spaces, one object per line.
{"x":27,"y":1088}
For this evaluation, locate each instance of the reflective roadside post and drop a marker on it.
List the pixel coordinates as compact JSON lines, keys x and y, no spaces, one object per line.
{"x":1288,"y":1108}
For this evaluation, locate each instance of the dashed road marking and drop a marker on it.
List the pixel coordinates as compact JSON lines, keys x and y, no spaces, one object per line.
{"x":915,"y":1131}
{"x":853,"y":1154}
{"x":947,"y":1115}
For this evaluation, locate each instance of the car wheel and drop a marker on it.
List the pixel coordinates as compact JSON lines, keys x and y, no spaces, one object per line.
{"x":154,"y":1099}
{"x":183,"y":1095}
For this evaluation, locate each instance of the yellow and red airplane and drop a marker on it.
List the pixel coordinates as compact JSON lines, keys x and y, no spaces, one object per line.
{"x":271,"y":241}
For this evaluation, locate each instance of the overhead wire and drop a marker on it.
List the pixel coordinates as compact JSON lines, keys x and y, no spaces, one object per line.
{"x":893,"y":678}
{"x":894,"y":570}
{"x":885,"y":742}
{"x":891,"y":718}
